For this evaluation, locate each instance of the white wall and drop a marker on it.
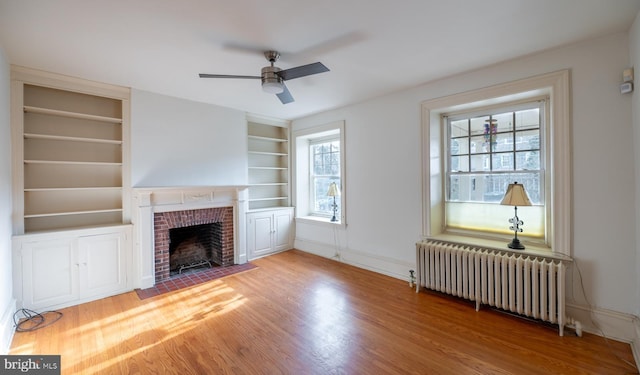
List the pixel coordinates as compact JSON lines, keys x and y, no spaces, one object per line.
{"x":634,"y":61}
{"x":383,"y":169}
{"x":176,"y":142}
{"x":7,"y":303}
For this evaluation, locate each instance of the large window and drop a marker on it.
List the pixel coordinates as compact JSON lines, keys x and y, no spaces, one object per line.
{"x":488,"y":150}
{"x":325,"y":169}
{"x":466,"y":170}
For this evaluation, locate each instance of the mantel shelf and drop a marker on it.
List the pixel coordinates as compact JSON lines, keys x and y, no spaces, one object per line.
{"x":57,"y":112}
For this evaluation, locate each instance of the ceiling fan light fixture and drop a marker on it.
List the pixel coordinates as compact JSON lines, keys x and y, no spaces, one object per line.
{"x":273,"y":86}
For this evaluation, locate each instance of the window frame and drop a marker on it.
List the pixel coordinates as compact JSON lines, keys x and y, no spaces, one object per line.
{"x":301,"y":166}
{"x":556,"y":86}
{"x":541,"y":104}
{"x":312,"y":176}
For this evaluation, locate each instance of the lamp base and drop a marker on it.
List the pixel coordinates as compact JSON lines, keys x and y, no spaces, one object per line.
{"x":333,"y":219}
{"x":515,"y":244}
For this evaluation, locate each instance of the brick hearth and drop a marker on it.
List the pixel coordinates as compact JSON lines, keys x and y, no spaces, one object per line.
{"x":164,"y":221}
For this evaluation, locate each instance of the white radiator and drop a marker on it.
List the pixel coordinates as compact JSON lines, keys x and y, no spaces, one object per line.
{"x":518,"y":283}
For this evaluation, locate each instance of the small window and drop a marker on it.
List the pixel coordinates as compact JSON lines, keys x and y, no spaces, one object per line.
{"x":320,"y":161}
{"x":325,"y":169}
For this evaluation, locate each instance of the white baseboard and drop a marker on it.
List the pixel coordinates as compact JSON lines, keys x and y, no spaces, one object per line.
{"x":6,"y":327}
{"x":375,"y":263}
{"x":611,"y":324}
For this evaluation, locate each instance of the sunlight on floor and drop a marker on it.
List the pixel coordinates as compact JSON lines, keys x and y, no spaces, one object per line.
{"x":132,"y":328}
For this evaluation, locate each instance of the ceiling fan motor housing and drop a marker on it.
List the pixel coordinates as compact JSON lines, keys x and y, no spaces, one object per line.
{"x":271,"y":81}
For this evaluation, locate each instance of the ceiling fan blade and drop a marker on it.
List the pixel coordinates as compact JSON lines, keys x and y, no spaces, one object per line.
{"x":204,"y":75}
{"x":301,"y":71}
{"x":285,"y":96}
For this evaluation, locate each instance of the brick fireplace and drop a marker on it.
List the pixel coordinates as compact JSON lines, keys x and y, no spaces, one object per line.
{"x":160,"y":209}
{"x":221,"y":237}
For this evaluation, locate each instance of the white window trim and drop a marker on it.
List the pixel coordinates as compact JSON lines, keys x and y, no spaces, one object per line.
{"x":301,"y":164}
{"x":557,"y":86}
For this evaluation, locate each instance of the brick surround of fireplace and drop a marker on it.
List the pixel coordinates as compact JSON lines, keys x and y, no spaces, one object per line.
{"x":164,"y":221}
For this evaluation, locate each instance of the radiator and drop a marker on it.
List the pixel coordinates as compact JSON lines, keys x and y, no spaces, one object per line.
{"x":528,"y":286}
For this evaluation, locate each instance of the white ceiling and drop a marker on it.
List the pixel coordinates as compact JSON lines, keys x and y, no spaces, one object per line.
{"x":372,"y":47}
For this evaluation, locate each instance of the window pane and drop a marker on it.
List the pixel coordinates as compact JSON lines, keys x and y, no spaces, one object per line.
{"x":322,"y":202}
{"x":504,"y":142}
{"x":502,"y":161}
{"x":504,"y":121}
{"x":528,"y":119}
{"x":459,"y":128}
{"x":528,"y":160}
{"x":479,"y":145}
{"x":477,"y":125}
{"x":491,"y":188}
{"x":459,"y":164}
{"x":480,"y":163}
{"x":459,"y":146}
{"x":528,"y":140}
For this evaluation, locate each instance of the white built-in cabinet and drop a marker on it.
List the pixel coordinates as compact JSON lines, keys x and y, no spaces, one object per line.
{"x":69,"y":267}
{"x":269,"y":231}
{"x":270,"y":215}
{"x":71,"y":201}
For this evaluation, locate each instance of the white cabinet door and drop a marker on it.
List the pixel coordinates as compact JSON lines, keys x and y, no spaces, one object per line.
{"x":282,"y":235}
{"x":50,"y":273}
{"x":102,"y":264}
{"x":260,"y":234}
{"x":269,"y":232}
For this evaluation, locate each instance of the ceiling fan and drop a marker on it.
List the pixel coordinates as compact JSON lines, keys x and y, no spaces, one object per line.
{"x":273,"y":77}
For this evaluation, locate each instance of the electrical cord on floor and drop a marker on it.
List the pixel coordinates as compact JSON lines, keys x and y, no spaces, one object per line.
{"x":593,"y":322}
{"x":31,"y":320}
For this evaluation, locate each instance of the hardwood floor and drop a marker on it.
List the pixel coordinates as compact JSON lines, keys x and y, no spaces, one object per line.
{"x":301,"y":314}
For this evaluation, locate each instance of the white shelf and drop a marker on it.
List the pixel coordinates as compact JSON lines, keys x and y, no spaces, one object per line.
{"x":270,"y":139}
{"x":84,"y":116}
{"x":69,"y":162}
{"x":270,"y":184}
{"x":96,"y":188}
{"x":268,"y":153}
{"x":267,"y":199}
{"x":73,"y":213}
{"x":273,"y":168}
{"x":73,"y":139}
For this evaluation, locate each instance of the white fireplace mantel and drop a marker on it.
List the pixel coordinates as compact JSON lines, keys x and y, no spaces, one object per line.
{"x":149,"y":200}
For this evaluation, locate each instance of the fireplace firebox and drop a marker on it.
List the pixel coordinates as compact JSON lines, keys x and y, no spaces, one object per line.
{"x":192,"y":239}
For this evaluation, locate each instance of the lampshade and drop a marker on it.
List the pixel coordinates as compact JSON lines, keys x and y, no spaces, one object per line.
{"x":273,"y":86}
{"x":516,"y":196}
{"x":333,"y":190}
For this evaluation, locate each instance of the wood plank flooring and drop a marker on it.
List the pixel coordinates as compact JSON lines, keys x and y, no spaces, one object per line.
{"x":301,"y":314}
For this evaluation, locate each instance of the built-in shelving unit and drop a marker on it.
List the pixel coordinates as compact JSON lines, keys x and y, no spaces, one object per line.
{"x":268,"y":147}
{"x":71,"y":146}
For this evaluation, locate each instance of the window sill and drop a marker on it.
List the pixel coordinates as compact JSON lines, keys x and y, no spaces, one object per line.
{"x":321,"y":221}
{"x":534,"y":250}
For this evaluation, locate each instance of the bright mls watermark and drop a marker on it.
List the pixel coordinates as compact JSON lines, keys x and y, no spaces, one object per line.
{"x":30,"y":364}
